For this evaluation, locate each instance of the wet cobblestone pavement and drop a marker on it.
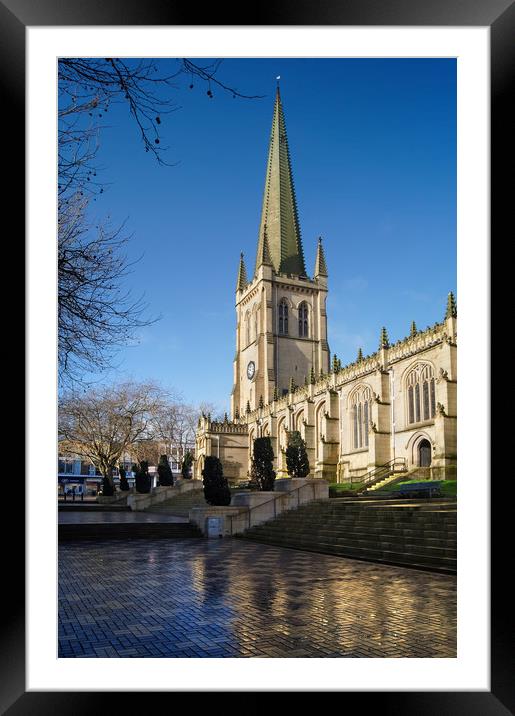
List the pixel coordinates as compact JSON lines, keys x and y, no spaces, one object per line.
{"x":230,"y":598}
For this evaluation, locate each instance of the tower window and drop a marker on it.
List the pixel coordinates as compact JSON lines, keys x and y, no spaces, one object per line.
{"x":283,"y":318}
{"x":303,"y":320}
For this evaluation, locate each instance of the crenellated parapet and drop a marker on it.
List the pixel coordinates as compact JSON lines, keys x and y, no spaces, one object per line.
{"x":413,"y":344}
{"x":229,"y":427}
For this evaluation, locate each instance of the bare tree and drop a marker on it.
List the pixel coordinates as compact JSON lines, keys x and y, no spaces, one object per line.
{"x":97,"y":315}
{"x":88,"y":86}
{"x":96,"y":311}
{"x":104,"y":423}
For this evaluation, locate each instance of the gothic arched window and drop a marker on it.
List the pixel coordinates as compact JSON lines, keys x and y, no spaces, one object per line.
{"x":303,"y":320}
{"x":420,"y":383}
{"x":360,"y":416}
{"x":283,"y":317}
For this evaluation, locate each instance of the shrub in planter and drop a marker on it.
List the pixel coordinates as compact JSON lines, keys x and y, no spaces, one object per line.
{"x":165,"y":472}
{"x":297,"y":462}
{"x":186,"y":465}
{"x":216,"y":489}
{"x":142,"y":478}
{"x":262,"y":470}
{"x":124,"y":484}
{"x":107,"y":487}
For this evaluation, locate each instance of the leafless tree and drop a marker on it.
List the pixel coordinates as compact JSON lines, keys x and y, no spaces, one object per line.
{"x":97,"y":314}
{"x":105,"y":423}
{"x":89,"y":86}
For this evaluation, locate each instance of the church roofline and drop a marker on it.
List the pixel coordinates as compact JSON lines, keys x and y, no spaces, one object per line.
{"x":422,"y":341}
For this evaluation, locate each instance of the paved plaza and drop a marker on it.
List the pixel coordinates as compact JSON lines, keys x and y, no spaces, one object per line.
{"x":231,"y":598}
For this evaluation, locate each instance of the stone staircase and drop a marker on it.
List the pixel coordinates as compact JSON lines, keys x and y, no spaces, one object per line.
{"x":409,"y":533}
{"x":181,"y":504}
{"x":418,"y":473}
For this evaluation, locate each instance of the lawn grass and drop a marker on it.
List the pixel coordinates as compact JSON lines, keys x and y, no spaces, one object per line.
{"x":447,"y":487}
{"x":335,"y":488}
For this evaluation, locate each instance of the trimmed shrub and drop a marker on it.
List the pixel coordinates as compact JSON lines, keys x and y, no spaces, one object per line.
{"x":124,"y":485}
{"x":186,"y":465}
{"x":262,"y":470}
{"x":107,"y":487}
{"x":216,"y":489}
{"x":297,"y":462}
{"x":142,"y":478}
{"x":165,"y":472}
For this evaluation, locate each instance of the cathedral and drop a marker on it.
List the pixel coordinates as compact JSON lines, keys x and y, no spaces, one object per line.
{"x":395,"y":407}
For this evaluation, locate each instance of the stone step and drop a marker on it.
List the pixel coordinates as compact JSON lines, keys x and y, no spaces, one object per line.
{"x":446,"y":565}
{"x":424,"y":537}
{"x":436,"y":538}
{"x":180,"y":505}
{"x":377,"y":526}
{"x":376,"y":513}
{"x":92,"y":507}
{"x":132,"y":530}
{"x":362,"y":542}
{"x":407,"y":535}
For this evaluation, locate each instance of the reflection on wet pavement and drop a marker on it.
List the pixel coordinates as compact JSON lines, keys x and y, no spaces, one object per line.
{"x":227,"y":598}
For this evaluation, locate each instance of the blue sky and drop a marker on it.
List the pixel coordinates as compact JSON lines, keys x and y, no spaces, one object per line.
{"x":373,"y":149}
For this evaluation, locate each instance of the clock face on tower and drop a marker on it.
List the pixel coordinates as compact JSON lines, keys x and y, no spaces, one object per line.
{"x":251,"y":369}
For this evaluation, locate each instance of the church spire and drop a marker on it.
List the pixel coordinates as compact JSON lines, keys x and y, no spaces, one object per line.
{"x":320,"y":264}
{"x":264,"y":258}
{"x":279,"y":219}
{"x":241,"y":281}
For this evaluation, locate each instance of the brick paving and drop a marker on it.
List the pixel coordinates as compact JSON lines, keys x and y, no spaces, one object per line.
{"x":228,"y":598}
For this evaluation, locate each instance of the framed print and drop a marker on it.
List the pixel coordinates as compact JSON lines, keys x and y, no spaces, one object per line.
{"x":482,"y":33}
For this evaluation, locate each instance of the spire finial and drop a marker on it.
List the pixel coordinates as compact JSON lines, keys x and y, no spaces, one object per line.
{"x":451,"y":311}
{"x":320,"y":264}
{"x":241,"y":282}
{"x":384,"y":341}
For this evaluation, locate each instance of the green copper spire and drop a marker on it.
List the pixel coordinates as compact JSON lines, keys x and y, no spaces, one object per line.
{"x":360,"y":355}
{"x":279,"y":212}
{"x":241,"y":282}
{"x":451,"y":311}
{"x":320,"y":264}
{"x":413,"y":330}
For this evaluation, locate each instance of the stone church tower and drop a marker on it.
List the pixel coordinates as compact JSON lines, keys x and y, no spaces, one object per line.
{"x":281,"y":333}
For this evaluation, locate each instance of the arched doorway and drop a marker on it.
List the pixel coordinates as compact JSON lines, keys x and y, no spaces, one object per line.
{"x":424,"y":453}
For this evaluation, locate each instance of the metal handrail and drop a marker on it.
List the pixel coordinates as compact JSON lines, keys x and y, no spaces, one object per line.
{"x":387,"y":468}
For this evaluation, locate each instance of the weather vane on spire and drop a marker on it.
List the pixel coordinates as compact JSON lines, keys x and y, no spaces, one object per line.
{"x":278,"y":78}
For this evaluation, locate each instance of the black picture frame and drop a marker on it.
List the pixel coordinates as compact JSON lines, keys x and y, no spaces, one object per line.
{"x":499,"y":16}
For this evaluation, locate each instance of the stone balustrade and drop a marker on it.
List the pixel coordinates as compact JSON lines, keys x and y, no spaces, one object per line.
{"x":248,"y":509}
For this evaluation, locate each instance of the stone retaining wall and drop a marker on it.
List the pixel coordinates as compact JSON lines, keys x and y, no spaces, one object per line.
{"x":248,"y":509}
